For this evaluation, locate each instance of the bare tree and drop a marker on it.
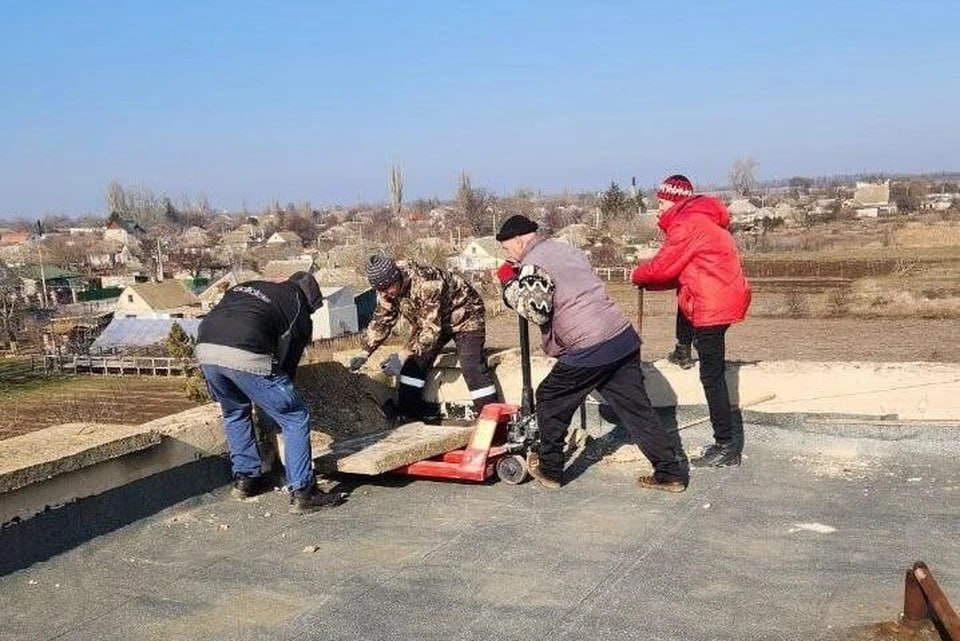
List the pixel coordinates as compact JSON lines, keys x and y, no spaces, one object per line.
{"x":11,"y":306}
{"x":302,"y":225}
{"x":68,"y":251}
{"x":472,"y":205}
{"x":395,"y":184}
{"x":743,"y":179}
{"x":137,"y":203}
{"x":116,"y":198}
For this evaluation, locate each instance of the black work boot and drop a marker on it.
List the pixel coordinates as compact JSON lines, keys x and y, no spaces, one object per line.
{"x":717,"y":455}
{"x":681,"y":356}
{"x":310,"y":499}
{"x":245,"y":487}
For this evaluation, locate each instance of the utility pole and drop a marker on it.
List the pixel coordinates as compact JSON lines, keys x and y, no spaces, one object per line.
{"x":599,"y":197}
{"x":159,"y":263}
{"x":43,"y":272}
{"x":493,"y":218}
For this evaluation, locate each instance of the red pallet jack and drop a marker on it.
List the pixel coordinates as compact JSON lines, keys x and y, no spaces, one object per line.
{"x":500,"y":442}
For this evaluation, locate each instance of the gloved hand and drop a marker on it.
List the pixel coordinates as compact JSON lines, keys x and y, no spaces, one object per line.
{"x":392,"y":365}
{"x":357,"y":361}
{"x":507,"y":272}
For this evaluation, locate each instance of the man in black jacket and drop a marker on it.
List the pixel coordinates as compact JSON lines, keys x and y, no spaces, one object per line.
{"x":248,"y":347}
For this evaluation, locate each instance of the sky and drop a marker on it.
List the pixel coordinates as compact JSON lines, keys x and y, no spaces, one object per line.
{"x":250,"y":102}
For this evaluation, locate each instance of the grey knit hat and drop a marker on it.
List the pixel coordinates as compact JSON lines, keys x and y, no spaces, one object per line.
{"x":382,"y":272}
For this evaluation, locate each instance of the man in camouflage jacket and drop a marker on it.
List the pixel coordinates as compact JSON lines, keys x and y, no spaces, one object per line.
{"x":438,"y":306}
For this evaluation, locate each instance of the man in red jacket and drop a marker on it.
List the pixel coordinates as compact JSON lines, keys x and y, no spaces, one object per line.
{"x":699,"y":259}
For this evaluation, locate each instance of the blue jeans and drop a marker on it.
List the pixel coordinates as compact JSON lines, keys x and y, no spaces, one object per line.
{"x":236,"y":391}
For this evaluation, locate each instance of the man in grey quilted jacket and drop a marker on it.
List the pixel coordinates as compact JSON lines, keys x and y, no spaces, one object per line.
{"x":553,"y":285}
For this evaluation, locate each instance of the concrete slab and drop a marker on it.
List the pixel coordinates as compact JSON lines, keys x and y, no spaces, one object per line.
{"x":59,"y":465}
{"x":384,"y":451}
{"x":808,"y":539}
{"x":38,"y":456}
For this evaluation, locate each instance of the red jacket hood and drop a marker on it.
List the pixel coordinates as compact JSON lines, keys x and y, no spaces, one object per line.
{"x":707,"y":205}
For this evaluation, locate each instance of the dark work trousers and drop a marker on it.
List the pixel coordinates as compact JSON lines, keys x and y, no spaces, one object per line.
{"x":711,"y":346}
{"x":621,"y":384}
{"x":684,"y":329}
{"x":473,"y":365}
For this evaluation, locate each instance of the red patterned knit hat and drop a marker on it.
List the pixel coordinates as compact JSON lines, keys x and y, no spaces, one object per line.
{"x":675,"y":188}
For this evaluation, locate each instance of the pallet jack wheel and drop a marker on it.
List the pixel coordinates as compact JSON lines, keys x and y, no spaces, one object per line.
{"x":512,"y":469}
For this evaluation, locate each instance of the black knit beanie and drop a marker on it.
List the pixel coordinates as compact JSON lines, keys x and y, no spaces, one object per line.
{"x":514,"y":226}
{"x":382,"y":272}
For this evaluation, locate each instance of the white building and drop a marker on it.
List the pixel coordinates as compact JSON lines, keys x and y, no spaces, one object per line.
{"x":338,"y":314}
{"x":480,"y":254}
{"x":168,"y":299}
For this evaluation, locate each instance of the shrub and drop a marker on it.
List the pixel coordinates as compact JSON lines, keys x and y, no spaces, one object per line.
{"x":838,"y":303}
{"x":796,"y":303}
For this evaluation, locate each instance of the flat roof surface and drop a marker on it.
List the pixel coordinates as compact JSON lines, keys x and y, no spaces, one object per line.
{"x":808,"y":539}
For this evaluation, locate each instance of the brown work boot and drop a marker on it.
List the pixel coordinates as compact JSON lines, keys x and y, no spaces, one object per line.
{"x":533,"y":467}
{"x":651,"y":483}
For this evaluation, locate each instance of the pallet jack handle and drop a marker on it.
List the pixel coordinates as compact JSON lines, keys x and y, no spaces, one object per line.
{"x":526,"y":397}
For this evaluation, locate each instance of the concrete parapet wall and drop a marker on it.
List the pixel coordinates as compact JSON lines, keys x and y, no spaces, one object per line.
{"x":914,"y":391}
{"x":62,"y":464}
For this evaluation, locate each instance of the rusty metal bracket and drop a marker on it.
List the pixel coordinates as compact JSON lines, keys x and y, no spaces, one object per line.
{"x":923,"y":599}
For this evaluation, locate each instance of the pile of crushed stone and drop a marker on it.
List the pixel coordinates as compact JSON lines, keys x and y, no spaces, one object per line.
{"x":342,"y":404}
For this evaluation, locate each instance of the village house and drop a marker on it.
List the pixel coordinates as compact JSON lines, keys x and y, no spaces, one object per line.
{"x":166,"y":299}
{"x":742,"y":211}
{"x":212,"y":294}
{"x":241,"y":238}
{"x":61,"y":285}
{"x":278,"y":270}
{"x":124,"y":230}
{"x":823,"y":207}
{"x":785,"y":212}
{"x":938,"y":202}
{"x":108,"y":254}
{"x":336,"y":317}
{"x":873,"y":199}
{"x":576,"y":235}
{"x":194,"y":240}
{"x":338,"y":314}
{"x":479,"y":254}
{"x":287,"y":238}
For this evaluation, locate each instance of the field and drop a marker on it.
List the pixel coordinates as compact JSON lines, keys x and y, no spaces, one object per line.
{"x":33,"y":402}
{"x":772,"y":337}
{"x":842,"y":303}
